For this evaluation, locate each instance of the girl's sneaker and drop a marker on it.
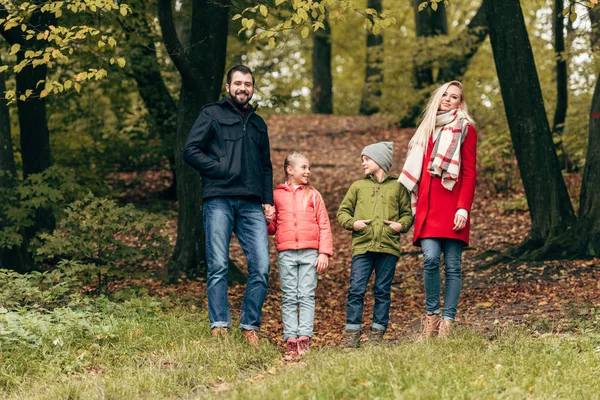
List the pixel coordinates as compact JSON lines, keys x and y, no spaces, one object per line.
{"x":303,"y":345}
{"x":291,"y":348}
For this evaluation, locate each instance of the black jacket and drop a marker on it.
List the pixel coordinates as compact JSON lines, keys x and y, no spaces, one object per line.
{"x":231,"y":153}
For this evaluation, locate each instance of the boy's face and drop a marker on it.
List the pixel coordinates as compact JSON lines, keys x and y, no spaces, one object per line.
{"x":369,"y":166}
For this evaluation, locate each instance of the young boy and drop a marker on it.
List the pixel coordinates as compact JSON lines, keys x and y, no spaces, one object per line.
{"x":376,"y":209}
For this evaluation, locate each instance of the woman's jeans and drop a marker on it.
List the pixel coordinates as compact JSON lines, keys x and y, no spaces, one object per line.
{"x":362,"y":266}
{"x":222,"y":216}
{"x":432,"y":249}
{"x":298,"y":280}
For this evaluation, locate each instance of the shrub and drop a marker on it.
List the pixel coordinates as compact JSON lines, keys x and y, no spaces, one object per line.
{"x":98,"y":239}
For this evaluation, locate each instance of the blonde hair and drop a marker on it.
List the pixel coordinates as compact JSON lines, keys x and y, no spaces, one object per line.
{"x":290,"y":161}
{"x":427,"y":124}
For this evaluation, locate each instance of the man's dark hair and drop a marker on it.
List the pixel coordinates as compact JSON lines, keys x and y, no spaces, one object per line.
{"x":239,"y":68}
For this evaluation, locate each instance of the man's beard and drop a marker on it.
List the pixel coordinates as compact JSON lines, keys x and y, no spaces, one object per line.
{"x":237,"y":101}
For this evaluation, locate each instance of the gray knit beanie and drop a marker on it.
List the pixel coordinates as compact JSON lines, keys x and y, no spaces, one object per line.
{"x":381,"y":153}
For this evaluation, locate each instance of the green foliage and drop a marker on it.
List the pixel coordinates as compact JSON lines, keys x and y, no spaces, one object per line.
{"x":497,"y":162}
{"x":52,"y":43}
{"x":99,"y":239}
{"x":50,"y":190}
{"x":37,"y":290}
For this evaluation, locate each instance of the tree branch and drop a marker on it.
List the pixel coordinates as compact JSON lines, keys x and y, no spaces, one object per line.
{"x":172,"y":43}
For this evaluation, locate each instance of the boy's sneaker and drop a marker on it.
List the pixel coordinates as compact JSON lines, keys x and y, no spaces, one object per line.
{"x":376,"y":336}
{"x":219,"y":332}
{"x":431,"y":325}
{"x":352,"y":339}
{"x":291,"y":348}
{"x":303,"y":345}
{"x":445,"y":328}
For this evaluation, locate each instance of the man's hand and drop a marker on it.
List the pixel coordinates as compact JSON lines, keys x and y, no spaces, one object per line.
{"x":361,"y":223}
{"x":269,"y":211}
{"x":394,"y":225}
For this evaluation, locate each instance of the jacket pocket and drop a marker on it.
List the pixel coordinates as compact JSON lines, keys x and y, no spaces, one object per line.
{"x":231,"y":128}
{"x":259,"y":132}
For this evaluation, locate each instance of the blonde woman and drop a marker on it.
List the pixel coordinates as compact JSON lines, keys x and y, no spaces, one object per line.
{"x":440,"y":173}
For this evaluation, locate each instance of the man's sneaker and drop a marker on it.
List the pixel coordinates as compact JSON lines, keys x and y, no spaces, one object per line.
{"x":431,"y":325}
{"x":251,"y":336}
{"x":291,"y":348}
{"x":352,"y":339}
{"x":303,"y":345}
{"x":445,"y":328}
{"x":376,"y":336}
{"x":219,"y":332}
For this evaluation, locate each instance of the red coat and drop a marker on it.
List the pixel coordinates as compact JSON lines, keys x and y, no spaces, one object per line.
{"x":301,"y":222}
{"x":436,"y":205}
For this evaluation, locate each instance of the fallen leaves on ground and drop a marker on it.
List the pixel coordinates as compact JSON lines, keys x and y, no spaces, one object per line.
{"x":496,"y":295}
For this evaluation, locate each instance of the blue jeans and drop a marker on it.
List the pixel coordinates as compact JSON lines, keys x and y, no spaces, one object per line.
{"x":222,"y":216}
{"x":298,"y":280}
{"x":360,"y":272}
{"x":432,"y":249}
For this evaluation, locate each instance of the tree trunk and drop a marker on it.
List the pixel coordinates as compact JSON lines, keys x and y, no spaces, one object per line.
{"x":15,"y":258}
{"x":562,"y":81}
{"x":153,"y":91}
{"x":561,"y":69}
{"x":549,"y":205}
{"x":452,"y":69}
{"x":589,"y":199}
{"x":428,"y":23}
{"x":34,"y":135}
{"x":371,"y":95}
{"x":469,"y":41}
{"x":202,"y":67}
{"x":322,"y":93}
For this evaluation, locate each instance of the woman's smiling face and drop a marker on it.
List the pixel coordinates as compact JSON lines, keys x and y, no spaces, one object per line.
{"x":451,"y":99}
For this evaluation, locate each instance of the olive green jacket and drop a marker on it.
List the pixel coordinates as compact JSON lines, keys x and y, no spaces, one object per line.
{"x":376,"y":201}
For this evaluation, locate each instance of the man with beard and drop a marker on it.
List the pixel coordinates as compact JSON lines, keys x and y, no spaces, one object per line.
{"x":229,"y":146}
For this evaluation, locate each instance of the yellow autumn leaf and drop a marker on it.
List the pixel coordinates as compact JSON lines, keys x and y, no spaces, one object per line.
{"x":14,"y":49}
{"x":263,"y":10}
{"x":305,"y":32}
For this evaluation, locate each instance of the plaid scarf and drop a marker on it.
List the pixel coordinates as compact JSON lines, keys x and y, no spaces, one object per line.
{"x":445,"y":156}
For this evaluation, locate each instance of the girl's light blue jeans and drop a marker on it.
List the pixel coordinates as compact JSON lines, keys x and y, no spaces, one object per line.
{"x":432,"y":249}
{"x":298,"y":280}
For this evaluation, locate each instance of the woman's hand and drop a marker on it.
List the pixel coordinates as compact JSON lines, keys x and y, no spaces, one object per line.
{"x":322,"y":262}
{"x":459,"y":222}
{"x":361,"y":223}
{"x":394,"y":225}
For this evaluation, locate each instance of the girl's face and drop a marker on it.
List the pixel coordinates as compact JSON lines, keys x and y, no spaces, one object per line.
{"x":451,"y":99}
{"x":299,"y":172}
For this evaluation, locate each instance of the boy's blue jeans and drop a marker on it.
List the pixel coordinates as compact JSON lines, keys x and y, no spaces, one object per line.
{"x":432,"y":249}
{"x":360,"y":272}
{"x":298,"y":280}
{"x":222,"y":216}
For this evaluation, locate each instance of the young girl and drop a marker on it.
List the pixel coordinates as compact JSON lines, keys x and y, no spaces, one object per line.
{"x":440,"y":174}
{"x":303,"y":240}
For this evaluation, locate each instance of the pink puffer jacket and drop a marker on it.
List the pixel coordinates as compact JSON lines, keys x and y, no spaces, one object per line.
{"x":301,"y":220}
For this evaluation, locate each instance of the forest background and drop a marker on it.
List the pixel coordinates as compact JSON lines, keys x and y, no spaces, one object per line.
{"x":101,"y":240}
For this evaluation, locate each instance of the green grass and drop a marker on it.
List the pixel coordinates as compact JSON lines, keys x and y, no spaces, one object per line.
{"x":466,"y":366}
{"x":137,"y":356}
{"x":129,"y":352}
